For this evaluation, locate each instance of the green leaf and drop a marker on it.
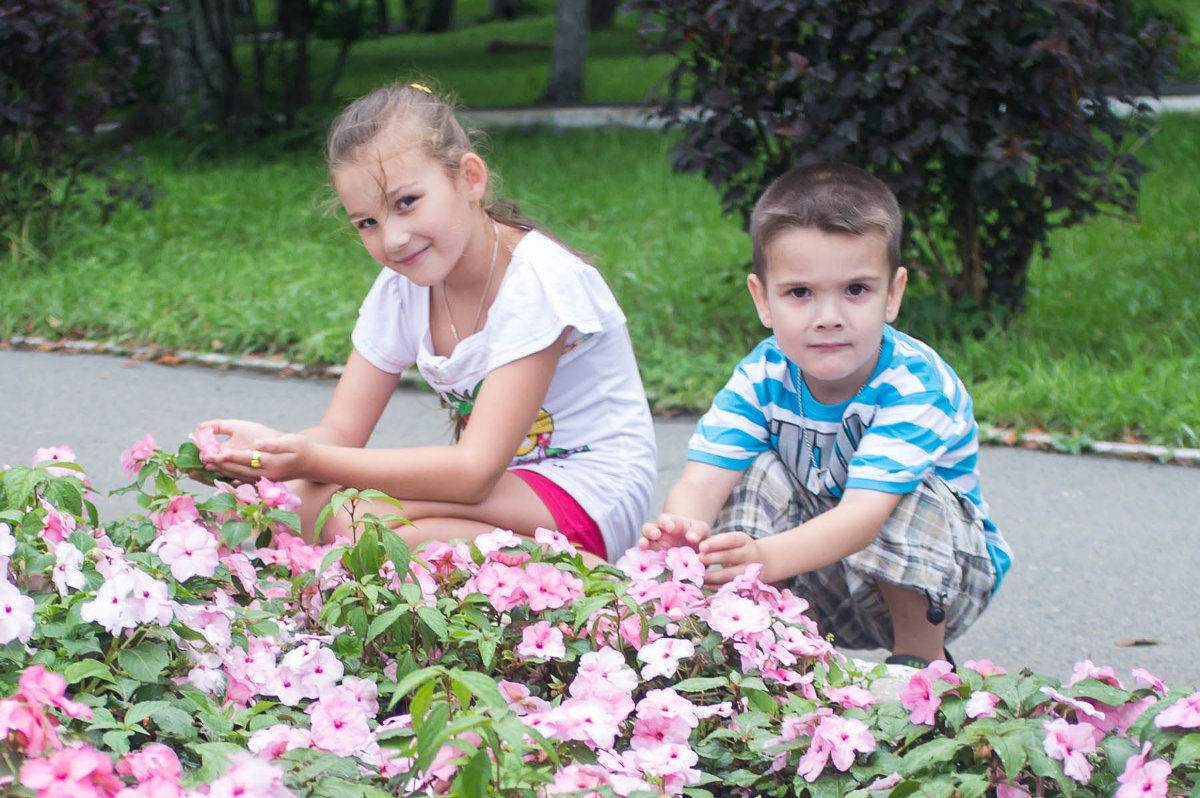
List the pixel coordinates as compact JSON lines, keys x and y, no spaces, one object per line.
{"x":1098,"y":691}
{"x":482,"y":686}
{"x":937,"y":750}
{"x":18,"y":486}
{"x":117,"y":740}
{"x":412,"y":681}
{"x":431,"y":735}
{"x":365,"y":558}
{"x":288,"y":518}
{"x":188,"y":456}
{"x":472,"y":778}
{"x":761,"y":701}
{"x":382,"y":623}
{"x":397,"y":551}
{"x":235,"y":532}
{"x":165,"y":716}
{"x":1186,"y":750}
{"x":1011,"y":750}
{"x":144,"y":662}
{"x":66,"y":493}
{"x":435,"y":621}
{"x":87,"y":669}
{"x":699,"y":684}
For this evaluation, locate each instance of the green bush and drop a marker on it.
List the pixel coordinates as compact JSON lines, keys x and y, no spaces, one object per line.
{"x":994,"y":122}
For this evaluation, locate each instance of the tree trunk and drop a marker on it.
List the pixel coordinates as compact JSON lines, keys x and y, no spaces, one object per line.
{"x":505,"y":9}
{"x":441,"y":16}
{"x":381,"y":16}
{"x":570,"y":52}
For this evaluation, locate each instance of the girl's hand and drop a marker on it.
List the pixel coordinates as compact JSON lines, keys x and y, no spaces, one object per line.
{"x":254,"y":450}
{"x":732,"y":551}
{"x":671,"y":531}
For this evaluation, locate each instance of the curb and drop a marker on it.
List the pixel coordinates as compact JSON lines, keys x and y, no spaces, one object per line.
{"x":988,"y":435}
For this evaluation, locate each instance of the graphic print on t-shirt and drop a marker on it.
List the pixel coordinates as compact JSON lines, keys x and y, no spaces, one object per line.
{"x":818,"y":460}
{"x":537,"y":444}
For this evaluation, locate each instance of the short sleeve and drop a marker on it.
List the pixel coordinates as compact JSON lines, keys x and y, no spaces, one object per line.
{"x":384,"y":333}
{"x":546,"y":290}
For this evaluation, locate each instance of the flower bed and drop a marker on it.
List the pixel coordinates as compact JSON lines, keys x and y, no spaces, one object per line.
{"x":201,"y":648}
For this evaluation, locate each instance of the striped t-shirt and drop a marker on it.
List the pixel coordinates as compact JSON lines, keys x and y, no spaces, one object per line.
{"x":913,"y":417}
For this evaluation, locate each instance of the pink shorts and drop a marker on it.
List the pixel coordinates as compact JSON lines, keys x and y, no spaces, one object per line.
{"x":572,"y":520}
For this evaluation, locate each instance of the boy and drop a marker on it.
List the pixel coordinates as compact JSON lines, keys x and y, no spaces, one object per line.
{"x":841,"y":453}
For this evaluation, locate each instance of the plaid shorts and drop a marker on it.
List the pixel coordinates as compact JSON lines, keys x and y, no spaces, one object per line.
{"x":933,"y":542}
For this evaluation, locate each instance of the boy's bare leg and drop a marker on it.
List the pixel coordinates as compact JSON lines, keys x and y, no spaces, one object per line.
{"x":912,"y":633}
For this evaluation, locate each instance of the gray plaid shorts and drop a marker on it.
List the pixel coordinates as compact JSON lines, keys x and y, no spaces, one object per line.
{"x":933,"y":542}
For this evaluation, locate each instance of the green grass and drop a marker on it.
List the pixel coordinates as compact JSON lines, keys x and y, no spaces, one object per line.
{"x":1109,"y":347}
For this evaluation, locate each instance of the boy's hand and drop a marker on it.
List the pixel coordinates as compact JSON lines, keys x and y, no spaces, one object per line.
{"x":732,"y":552}
{"x":671,"y":531}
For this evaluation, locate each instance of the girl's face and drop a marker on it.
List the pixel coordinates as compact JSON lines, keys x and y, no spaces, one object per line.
{"x":412,"y":216}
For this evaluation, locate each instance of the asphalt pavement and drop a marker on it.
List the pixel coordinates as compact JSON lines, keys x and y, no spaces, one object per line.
{"x":1105,"y":549}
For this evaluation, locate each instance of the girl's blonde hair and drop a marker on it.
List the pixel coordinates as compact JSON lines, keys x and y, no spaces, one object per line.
{"x":401,"y":115}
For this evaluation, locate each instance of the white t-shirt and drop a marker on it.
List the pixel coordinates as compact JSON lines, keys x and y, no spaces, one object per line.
{"x":593,"y":437}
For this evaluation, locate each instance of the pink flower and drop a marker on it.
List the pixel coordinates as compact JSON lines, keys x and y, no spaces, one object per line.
{"x":154,"y":761}
{"x":133,"y":457}
{"x":273,"y":741}
{"x":57,"y":454}
{"x":684,"y":564}
{"x":549,"y":588}
{"x":497,"y":540}
{"x":553,"y":541}
{"x":589,"y":719}
{"x":663,"y":655}
{"x":574,"y":779}
{"x":277,"y":495}
{"x":44,"y":688}
{"x":850,"y":696}
{"x":731,"y":616}
{"x":1070,"y":744}
{"x":180,"y":508}
{"x":837,"y":739}
{"x":56,"y":526}
{"x":1011,"y":791}
{"x":1150,"y":680}
{"x":206,"y":440}
{"x":189,"y":550}
{"x":1142,"y":778}
{"x":982,"y":704}
{"x":1184,"y":713}
{"x":71,"y":773}
{"x":541,"y":641}
{"x":16,"y":614}
{"x":248,"y":775}
{"x":1086,"y":669}
{"x":603,"y":671}
{"x":984,"y":667}
{"x":642,"y":563}
{"x":920,"y":699}
{"x":339,"y":724}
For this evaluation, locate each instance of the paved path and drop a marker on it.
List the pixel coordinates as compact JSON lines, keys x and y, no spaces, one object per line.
{"x":1106,"y":549}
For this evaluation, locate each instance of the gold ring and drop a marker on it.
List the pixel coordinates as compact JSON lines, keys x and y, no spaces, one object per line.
{"x":255,"y":458}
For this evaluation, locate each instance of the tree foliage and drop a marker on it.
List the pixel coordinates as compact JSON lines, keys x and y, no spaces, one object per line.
{"x":63,"y":65}
{"x":994,"y":121}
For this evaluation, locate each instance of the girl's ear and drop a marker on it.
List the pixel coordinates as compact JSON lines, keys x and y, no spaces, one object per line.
{"x":473,"y":173}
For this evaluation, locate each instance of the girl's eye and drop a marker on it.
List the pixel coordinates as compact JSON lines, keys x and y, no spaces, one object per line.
{"x":404,"y":203}
{"x":858,"y":289}
{"x":364,"y":224}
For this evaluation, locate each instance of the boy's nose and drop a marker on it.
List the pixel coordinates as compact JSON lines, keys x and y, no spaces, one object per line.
{"x":829,"y":313}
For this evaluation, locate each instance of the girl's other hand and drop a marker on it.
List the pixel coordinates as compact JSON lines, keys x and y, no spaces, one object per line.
{"x":252,"y":450}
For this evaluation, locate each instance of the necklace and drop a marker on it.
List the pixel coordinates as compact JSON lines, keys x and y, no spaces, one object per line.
{"x":483,"y":298}
{"x":816,"y":474}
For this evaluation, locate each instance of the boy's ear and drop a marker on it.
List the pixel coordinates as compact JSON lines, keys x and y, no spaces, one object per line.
{"x":473,"y":173}
{"x":896,"y":293}
{"x":759,"y":292}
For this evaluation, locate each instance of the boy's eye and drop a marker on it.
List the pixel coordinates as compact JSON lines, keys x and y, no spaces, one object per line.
{"x":799,"y":292}
{"x":858,"y":289}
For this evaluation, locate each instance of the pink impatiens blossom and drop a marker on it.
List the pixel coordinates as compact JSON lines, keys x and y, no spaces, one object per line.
{"x":684,"y":564}
{"x":16,"y":614}
{"x":850,"y":696}
{"x":338,"y":724}
{"x":273,"y":741}
{"x":43,"y":688}
{"x":57,"y":526}
{"x":835,"y":739}
{"x":574,"y":779}
{"x":603,"y":671}
{"x":552,"y":540}
{"x":154,"y":761}
{"x":642,"y":563}
{"x":984,"y":667}
{"x":663,"y":655}
{"x":248,"y":775}
{"x":981,"y":704}
{"x":548,"y":587}
{"x":541,"y":641}
{"x":1070,"y":743}
{"x":1148,"y":679}
{"x":1142,"y":778}
{"x":734,"y":616}
{"x":133,"y":457}
{"x":57,"y":454}
{"x":1011,"y":791}
{"x":80,"y":772}
{"x":188,"y":549}
{"x":277,"y":495}
{"x":180,"y":508}
{"x":1184,"y":714}
{"x":206,"y":440}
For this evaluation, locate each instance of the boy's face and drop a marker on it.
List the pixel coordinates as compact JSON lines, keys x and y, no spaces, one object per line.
{"x":826,"y":297}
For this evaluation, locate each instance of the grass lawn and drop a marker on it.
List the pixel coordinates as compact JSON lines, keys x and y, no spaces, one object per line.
{"x":238,"y":256}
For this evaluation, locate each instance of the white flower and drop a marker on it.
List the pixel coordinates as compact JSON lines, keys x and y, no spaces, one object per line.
{"x":16,"y":614}
{"x":68,"y":568}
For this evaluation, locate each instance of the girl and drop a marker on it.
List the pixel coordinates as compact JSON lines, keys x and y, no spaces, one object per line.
{"x":522,"y":340}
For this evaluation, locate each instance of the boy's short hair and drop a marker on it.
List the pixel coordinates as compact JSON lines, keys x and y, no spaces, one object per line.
{"x":832,"y":197}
